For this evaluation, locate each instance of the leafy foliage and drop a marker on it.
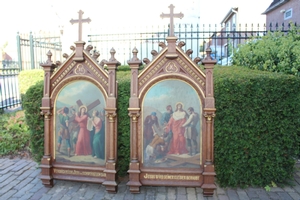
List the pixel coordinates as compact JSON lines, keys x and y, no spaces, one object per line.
{"x":256,"y":126}
{"x":123,"y":122}
{"x":275,"y":52}
{"x":14,"y":134}
{"x":32,"y":101}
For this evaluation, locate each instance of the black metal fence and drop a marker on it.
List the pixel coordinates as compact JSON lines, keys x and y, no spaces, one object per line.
{"x":9,"y":85}
{"x":222,"y":39}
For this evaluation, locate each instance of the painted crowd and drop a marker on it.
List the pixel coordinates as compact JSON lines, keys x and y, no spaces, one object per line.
{"x":175,"y":133}
{"x":84,"y":135}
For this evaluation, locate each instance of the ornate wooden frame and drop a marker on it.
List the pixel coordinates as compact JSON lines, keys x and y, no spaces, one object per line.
{"x":172,"y":63}
{"x":80,"y":65}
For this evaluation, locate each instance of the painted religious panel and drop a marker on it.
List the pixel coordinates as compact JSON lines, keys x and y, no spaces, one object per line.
{"x":80,"y":124}
{"x":172,"y":126}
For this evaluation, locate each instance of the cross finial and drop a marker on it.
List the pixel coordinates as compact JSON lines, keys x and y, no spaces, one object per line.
{"x":171,"y":16}
{"x":80,"y":21}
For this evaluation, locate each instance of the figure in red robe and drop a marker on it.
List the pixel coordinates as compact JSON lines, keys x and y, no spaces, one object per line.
{"x":178,"y":143}
{"x":83,"y":146}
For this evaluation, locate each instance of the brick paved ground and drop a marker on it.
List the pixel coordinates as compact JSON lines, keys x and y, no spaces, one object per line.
{"x":19,"y":179}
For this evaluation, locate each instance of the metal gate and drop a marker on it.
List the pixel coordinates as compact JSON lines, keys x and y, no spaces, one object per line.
{"x":33,"y":48}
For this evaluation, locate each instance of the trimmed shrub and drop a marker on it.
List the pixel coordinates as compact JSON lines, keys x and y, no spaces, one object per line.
{"x":256,"y":126}
{"x":31,"y":103}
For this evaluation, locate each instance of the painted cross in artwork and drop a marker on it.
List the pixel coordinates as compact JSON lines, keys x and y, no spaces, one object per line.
{"x":172,"y":125}
{"x":80,"y":124}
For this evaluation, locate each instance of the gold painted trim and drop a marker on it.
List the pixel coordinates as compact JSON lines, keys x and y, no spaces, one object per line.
{"x":105,"y":73}
{"x":57,"y":69}
{"x":134,"y":109}
{"x":190,"y":61}
{"x":151,"y":63}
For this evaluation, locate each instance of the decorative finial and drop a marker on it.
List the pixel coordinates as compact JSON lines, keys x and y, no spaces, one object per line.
{"x":208,"y":53}
{"x":181,"y":44}
{"x":135,"y":52}
{"x":112,"y":53}
{"x":89,"y":47}
{"x":96,"y":55}
{"x":146,"y":60}
{"x":102,"y":63}
{"x":162,"y":44}
{"x":58,"y":63}
{"x":49,"y":54}
{"x":154,"y":53}
{"x":189,"y":52}
{"x":197,"y":60}
{"x":72,"y":48}
{"x":66,"y":56}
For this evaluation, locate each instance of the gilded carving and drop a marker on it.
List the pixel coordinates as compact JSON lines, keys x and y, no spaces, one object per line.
{"x":80,"y":173}
{"x":171,"y":177}
{"x":134,"y":117}
{"x":111,"y":117}
{"x":209,"y":116}
{"x":171,"y":67}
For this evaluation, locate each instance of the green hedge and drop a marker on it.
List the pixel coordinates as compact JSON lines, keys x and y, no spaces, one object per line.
{"x":256,"y":126}
{"x":31,"y":103}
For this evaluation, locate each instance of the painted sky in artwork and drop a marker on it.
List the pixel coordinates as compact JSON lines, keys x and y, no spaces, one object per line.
{"x":169,"y":92}
{"x":80,"y":90}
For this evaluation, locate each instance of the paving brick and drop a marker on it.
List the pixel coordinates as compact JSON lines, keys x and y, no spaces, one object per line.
{"x":161,"y":196}
{"x":284,"y":196}
{"x":232,"y":194}
{"x":25,"y":174}
{"x":263,"y":195}
{"x":199,"y":196}
{"x":294,"y":195}
{"x":5,"y":177}
{"x":7,"y":187}
{"x":223,"y":197}
{"x":273,"y":195}
{"x":7,"y":169}
{"x":35,"y":173}
{"x":7,"y":194}
{"x":181,"y":190}
{"x":38,"y":195}
{"x":288,"y":189}
{"x":26,"y":196}
{"x":161,"y":189}
{"x":19,"y":165}
{"x":242,"y":195}
{"x":181,"y":197}
{"x":8,"y":181}
{"x":22,"y":184}
{"x":24,"y":190}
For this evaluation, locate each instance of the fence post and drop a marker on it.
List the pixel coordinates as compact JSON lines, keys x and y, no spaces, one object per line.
{"x":19,"y":51}
{"x":31,"y":51}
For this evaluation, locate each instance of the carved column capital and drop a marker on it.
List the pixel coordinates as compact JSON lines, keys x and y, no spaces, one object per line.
{"x":209,"y":116}
{"x":134,"y":116}
{"x":111,"y":117}
{"x":46,"y":114}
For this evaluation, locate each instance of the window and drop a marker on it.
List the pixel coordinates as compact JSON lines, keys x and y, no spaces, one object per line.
{"x":288,"y":14}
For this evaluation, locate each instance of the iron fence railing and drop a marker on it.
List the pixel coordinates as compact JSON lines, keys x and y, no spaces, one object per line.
{"x":33,"y":48}
{"x":9,"y":85}
{"x":196,"y":37}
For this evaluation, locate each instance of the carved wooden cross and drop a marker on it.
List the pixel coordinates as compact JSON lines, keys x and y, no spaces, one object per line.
{"x":171,"y":16}
{"x":80,"y":21}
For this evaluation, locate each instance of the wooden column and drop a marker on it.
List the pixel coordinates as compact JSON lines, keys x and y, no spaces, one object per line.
{"x":46,"y":111}
{"x":111,"y":117}
{"x":134,"y":113}
{"x":208,"y":185}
